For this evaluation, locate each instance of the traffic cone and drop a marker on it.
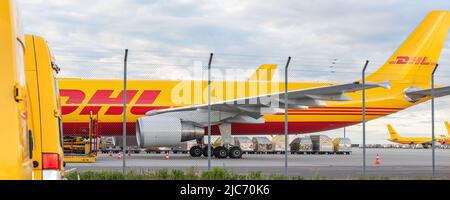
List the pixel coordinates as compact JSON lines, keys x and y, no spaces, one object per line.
{"x":167,"y":156}
{"x":119,"y":156}
{"x":110,"y":153}
{"x":377,"y":160}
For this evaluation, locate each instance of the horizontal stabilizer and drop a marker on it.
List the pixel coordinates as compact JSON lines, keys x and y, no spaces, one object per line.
{"x":415,"y":94}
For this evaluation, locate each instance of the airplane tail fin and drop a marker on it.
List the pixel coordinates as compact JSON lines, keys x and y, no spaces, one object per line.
{"x":415,"y":59}
{"x":447,"y":125}
{"x":393,"y":132}
{"x":264,"y":72}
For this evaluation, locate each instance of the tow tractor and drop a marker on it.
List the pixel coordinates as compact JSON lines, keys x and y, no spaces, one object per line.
{"x":82,"y":149}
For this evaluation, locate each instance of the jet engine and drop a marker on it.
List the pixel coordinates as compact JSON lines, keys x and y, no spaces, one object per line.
{"x":161,"y":131}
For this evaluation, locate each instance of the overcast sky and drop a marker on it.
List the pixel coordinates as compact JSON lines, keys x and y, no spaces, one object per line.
{"x":328,"y":40}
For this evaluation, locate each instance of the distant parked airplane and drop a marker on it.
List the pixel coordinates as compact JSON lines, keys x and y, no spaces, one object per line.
{"x":424,"y":141}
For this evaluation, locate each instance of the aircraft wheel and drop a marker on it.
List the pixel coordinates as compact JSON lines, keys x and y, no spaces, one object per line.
{"x":235,"y":152}
{"x":221,"y":152}
{"x":195,"y":151}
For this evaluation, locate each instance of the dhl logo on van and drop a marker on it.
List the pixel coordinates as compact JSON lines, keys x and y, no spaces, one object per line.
{"x":407,"y":60}
{"x":75,"y":99}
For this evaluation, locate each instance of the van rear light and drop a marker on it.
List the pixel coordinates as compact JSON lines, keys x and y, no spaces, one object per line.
{"x":51,"y":161}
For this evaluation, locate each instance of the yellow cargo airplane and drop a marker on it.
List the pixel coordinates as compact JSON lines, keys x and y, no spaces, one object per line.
{"x":424,"y":141}
{"x":443,"y":139}
{"x":168,"y":112}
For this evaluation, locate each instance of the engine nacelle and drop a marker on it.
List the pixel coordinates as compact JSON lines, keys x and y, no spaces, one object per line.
{"x":160,"y":131}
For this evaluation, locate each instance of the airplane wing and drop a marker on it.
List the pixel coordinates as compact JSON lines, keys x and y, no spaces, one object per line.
{"x":416,"y":94}
{"x":250,"y":109}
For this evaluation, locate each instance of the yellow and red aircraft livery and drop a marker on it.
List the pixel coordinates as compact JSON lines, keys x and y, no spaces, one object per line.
{"x":409,"y":67}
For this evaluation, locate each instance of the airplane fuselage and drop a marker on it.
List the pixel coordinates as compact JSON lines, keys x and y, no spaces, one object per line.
{"x":104,"y":98}
{"x":412,"y":140}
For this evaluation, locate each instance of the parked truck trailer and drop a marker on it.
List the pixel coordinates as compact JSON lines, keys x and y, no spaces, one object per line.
{"x":322,"y":144}
{"x":301,"y":145}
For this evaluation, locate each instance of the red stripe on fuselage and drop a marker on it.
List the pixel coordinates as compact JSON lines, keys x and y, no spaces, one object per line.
{"x":271,"y":128}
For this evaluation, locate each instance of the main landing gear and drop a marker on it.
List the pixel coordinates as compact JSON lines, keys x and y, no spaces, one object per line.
{"x":226,"y":149}
{"x":195,"y":151}
{"x":218,"y":152}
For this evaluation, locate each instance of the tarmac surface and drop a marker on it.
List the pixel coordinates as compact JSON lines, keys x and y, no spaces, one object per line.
{"x":395,"y":164}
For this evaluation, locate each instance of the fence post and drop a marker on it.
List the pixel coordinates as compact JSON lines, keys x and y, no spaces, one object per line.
{"x":432,"y":121}
{"x":124,"y":137}
{"x":209,"y":110}
{"x":364,"y":115}
{"x":286,"y":103}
